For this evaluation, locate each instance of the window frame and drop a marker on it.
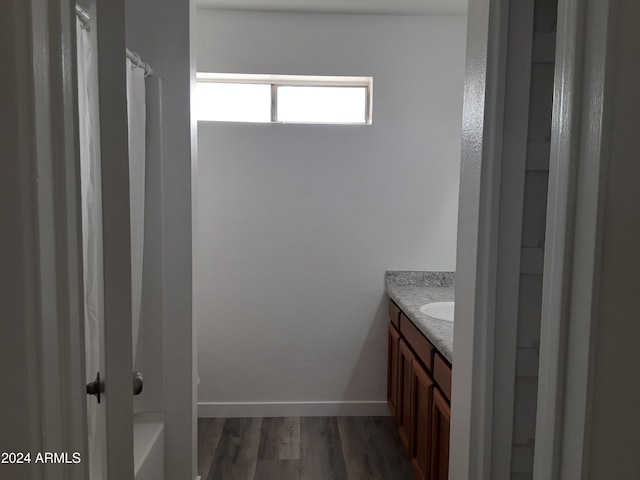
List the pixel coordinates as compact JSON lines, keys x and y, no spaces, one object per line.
{"x":295,"y":81}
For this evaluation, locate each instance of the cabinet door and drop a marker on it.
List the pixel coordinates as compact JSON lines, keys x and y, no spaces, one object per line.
{"x":440,"y":424}
{"x":392,"y":371}
{"x":421,"y":411}
{"x":405,"y":383}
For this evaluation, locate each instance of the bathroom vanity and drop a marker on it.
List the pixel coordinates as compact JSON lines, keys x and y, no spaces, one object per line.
{"x":420,"y":354}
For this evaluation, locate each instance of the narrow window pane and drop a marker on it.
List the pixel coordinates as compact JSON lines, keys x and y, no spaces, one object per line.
{"x":233,"y":102}
{"x":322,"y":104}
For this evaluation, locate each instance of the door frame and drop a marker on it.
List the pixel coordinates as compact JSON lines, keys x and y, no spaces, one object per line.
{"x":575,"y":222}
{"x":44,"y":363}
{"x":478,"y":250}
{"x":573,"y":242}
{"x":43,"y":271}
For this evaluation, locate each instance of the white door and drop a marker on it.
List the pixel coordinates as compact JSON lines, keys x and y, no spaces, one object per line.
{"x":43,"y":401}
{"x":108,"y":287}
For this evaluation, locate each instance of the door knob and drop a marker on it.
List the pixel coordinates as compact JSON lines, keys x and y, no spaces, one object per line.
{"x":138,"y":383}
{"x":96,"y":387}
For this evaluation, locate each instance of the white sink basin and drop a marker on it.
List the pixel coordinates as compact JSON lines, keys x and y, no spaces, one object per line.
{"x":439,"y":310}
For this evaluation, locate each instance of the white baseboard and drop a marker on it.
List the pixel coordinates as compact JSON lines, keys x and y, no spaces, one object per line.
{"x":292,"y":409}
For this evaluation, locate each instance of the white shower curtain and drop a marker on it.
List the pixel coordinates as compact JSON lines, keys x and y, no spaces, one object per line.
{"x":91,"y":192}
{"x":137,"y":113}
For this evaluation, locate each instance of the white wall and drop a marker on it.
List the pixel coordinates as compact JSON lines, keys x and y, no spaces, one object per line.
{"x":298,"y":223}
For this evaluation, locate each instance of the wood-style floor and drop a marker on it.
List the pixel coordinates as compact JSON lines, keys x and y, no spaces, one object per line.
{"x":301,"y":448}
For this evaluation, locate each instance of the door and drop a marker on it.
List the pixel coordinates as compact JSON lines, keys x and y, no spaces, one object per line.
{"x":108,"y":351}
{"x":42,"y":363}
{"x":421,"y":410}
{"x":440,"y":428}
{"x":405,"y":382}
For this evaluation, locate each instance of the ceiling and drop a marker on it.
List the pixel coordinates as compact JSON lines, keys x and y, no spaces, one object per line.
{"x":398,"y":7}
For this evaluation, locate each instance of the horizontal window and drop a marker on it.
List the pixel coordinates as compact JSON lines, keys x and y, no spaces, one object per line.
{"x":284,"y":99}
{"x":233,"y":102}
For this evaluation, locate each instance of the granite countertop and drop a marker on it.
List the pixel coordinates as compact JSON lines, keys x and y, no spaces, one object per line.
{"x":411,"y":290}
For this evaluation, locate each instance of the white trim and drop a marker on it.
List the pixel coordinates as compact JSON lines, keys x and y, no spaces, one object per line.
{"x":512,"y":189}
{"x":292,"y":409}
{"x":577,"y":170}
{"x":114,"y":154}
{"x":286,"y":80}
{"x":477,"y":252}
{"x":194,"y":241}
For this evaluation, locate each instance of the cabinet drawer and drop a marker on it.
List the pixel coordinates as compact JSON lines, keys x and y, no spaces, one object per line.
{"x":394,"y":314}
{"x":418,"y":342}
{"x":442,"y":375}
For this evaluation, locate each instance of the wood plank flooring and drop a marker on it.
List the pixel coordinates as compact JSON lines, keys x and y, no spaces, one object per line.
{"x":306,"y":448}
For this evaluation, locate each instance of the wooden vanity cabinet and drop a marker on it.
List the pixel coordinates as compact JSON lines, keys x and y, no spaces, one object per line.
{"x":417,"y":378}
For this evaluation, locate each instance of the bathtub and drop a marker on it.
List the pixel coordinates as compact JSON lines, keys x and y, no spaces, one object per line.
{"x":148,"y":446}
